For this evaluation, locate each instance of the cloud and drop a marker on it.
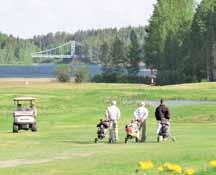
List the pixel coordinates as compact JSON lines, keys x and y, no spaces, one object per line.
{"x":26,"y":18}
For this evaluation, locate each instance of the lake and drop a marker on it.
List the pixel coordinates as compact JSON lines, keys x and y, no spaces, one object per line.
{"x":48,"y":71}
{"x":38,"y":71}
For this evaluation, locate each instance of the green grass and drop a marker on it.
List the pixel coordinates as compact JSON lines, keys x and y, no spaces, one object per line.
{"x":67,"y":117}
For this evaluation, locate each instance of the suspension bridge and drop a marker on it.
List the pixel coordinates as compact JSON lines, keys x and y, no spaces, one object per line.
{"x":66,"y":50}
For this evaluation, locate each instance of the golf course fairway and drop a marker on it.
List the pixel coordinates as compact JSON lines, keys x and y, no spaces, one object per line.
{"x":67,"y":118}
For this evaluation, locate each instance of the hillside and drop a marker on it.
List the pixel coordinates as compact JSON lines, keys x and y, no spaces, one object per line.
{"x":18,"y":51}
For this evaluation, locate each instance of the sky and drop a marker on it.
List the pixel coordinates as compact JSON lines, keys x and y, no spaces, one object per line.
{"x":26,"y":18}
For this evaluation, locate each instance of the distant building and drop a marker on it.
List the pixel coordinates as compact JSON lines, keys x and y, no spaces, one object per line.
{"x":146,"y":72}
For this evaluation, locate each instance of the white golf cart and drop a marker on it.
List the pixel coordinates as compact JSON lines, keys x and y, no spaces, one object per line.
{"x":24,"y":114}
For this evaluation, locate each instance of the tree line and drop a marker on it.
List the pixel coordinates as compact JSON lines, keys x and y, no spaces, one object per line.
{"x":90,"y":42}
{"x":15,"y":50}
{"x":96,"y":45}
{"x":180,"y":42}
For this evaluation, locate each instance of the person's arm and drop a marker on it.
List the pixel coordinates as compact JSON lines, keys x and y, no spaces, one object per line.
{"x":157,"y":114}
{"x":135,"y":115}
{"x":146,"y":113}
{"x":168,"y":114}
{"x":107,"y":114}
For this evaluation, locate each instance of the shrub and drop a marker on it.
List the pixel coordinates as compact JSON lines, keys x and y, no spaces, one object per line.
{"x":81,"y":74}
{"x":118,"y":77}
{"x":62,"y":73}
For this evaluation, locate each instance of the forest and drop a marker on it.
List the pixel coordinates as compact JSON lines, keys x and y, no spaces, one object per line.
{"x":179,"y":41}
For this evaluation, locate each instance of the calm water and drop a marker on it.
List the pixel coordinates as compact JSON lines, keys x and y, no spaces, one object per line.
{"x":37,"y":71}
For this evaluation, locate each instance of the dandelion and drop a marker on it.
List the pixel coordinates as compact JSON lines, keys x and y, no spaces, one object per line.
{"x":146,"y":165}
{"x":189,"y":171}
{"x":160,"y":168}
{"x":213,"y":163}
{"x":173,"y":167}
{"x":177,"y":168}
{"x":168,"y":166}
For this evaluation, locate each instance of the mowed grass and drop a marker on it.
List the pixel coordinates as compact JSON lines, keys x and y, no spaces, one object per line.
{"x":68,"y":113}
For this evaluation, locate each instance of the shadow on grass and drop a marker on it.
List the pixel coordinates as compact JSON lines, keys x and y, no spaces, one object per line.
{"x":86,"y":142}
{"x":78,"y":142}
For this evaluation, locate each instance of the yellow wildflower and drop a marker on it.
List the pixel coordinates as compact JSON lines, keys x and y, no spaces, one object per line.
{"x":169,"y":166}
{"x":177,"y":169}
{"x":160,"y":168}
{"x":173,"y":167}
{"x":189,"y":171}
{"x":213,"y":163}
{"x":146,"y":165}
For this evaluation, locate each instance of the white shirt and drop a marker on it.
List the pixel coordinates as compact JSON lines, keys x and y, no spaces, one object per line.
{"x":141,"y":113}
{"x":113,"y":113}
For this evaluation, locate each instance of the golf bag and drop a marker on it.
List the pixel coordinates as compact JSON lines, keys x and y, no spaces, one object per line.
{"x":101,"y":130}
{"x":132,"y":131}
{"x":164,"y":130}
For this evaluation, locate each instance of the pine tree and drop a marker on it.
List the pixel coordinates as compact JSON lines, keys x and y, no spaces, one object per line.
{"x":133,"y":53}
{"x":118,"y":54}
{"x":104,"y":53}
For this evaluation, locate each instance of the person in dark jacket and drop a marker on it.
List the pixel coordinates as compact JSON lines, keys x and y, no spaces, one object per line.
{"x":161,"y":112}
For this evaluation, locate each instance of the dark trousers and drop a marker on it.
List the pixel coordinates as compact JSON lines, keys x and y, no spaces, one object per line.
{"x":143,"y":131}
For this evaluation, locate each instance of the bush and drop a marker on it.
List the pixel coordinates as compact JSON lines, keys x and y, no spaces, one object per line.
{"x":166,"y":77}
{"x":119,"y":77}
{"x":98,"y":78}
{"x":81,"y":74}
{"x":62,"y":73}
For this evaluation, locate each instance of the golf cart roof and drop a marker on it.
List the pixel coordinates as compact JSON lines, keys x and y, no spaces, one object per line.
{"x":24,"y":99}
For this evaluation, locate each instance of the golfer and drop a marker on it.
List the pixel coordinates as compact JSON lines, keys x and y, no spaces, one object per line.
{"x":141,"y":114}
{"x":161,"y":112}
{"x":113,"y":115}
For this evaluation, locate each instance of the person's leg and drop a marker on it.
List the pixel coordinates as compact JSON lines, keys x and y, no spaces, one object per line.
{"x":143,"y":138}
{"x":110,"y":132}
{"x":158,"y":126}
{"x":115,"y":132}
{"x":139,"y":134}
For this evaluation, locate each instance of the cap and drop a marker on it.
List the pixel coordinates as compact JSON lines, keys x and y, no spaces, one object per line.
{"x":114,"y":102}
{"x":142,"y":103}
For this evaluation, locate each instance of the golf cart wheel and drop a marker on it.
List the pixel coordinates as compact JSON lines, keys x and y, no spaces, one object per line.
{"x":15,"y":128}
{"x":96,"y":140}
{"x":33,"y":128}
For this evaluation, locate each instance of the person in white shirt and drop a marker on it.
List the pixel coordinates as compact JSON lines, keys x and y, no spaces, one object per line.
{"x":33,"y":107}
{"x":113,"y":115}
{"x":141,"y":114}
